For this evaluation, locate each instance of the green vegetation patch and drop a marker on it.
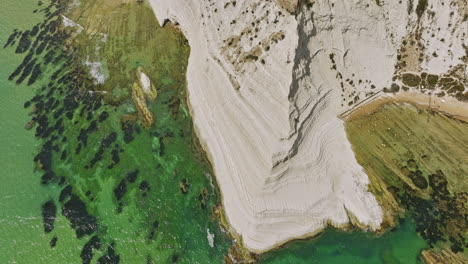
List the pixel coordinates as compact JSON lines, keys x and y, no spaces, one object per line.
{"x":421,"y":7}
{"x":411,"y":80}
{"x":432,"y":80}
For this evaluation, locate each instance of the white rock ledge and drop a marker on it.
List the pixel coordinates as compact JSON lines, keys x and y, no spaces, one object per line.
{"x":265,"y":101}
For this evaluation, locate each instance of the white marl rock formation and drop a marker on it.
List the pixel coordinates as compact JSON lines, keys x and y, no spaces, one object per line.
{"x":266,"y":87}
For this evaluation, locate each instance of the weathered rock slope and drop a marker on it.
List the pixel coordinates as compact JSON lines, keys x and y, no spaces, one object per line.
{"x":267,"y":81}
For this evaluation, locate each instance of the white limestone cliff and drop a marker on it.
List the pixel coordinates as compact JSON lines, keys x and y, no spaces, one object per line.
{"x":266,"y":88}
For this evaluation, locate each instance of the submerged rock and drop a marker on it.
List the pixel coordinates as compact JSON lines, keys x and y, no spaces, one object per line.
{"x":53,"y":242}
{"x":49,"y":212}
{"x":80,"y":220}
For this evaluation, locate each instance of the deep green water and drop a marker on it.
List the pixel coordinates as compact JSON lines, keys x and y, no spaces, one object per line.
{"x":136,"y":219}
{"x":400,"y":245}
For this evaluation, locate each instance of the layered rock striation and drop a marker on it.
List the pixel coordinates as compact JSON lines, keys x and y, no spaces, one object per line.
{"x":267,"y":81}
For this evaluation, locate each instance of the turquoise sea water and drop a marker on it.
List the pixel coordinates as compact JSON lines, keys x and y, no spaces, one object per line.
{"x":400,"y":245}
{"x":159,"y":224}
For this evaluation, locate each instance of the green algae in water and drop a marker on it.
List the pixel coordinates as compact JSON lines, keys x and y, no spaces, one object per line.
{"x":400,"y":245}
{"x":114,"y":183}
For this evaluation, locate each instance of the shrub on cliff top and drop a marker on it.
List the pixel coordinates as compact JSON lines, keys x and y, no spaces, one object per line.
{"x":411,"y":80}
{"x":422,"y":5}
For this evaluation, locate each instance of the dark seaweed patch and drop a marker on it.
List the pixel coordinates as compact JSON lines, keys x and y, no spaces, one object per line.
{"x":110,"y":257}
{"x":24,"y":43}
{"x":34,"y":31}
{"x":42,"y":130}
{"x":58,"y":113}
{"x":53,"y":242}
{"x":115,"y":156}
{"x":44,"y":162}
{"x":36,"y":72}
{"x":184,"y":186}
{"x":443,"y":217}
{"x":78,"y":149}
{"x":161,"y":146}
{"x":87,"y":251}
{"x":148,"y":260}
{"x":128,"y":128}
{"x":155,"y":224}
{"x":49,"y":212}
{"x":152,"y":233}
{"x":439,"y":183}
{"x":70,"y":102}
{"x":418,"y":179}
{"x":203,"y":198}
{"x":49,"y":57}
{"x":144,"y":186}
{"x":120,"y":207}
{"x":65,"y":193}
{"x":16,"y":72}
{"x":75,"y":211}
{"x":63,"y":156}
{"x":20,"y":67}
{"x":42,"y":46}
{"x":83,"y":136}
{"x":47,"y":177}
{"x":11,"y":39}
{"x":26,"y":71}
{"x":105,"y":144}
{"x":103,"y":116}
{"x":120,"y":190}
{"x":175,"y":258}
{"x":131,"y":176}
{"x":62,"y":180}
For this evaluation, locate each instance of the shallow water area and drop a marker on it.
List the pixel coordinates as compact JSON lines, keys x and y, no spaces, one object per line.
{"x":81,"y":185}
{"x":400,"y":245}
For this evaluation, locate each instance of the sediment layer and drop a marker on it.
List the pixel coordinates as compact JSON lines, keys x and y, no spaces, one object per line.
{"x":267,"y":81}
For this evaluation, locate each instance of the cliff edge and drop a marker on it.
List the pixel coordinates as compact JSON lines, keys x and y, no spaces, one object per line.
{"x":268,"y":80}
